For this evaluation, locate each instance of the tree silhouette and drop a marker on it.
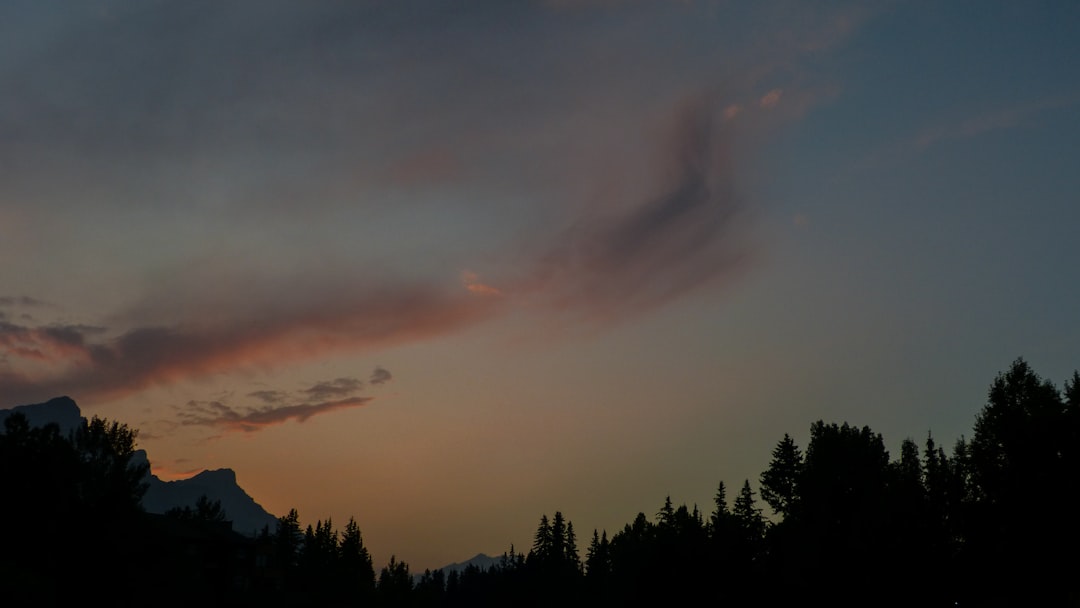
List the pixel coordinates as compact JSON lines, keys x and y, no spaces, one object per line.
{"x":780,"y":482}
{"x":982,"y":525}
{"x":395,"y":584}
{"x":204,"y":510}
{"x":357,"y":572}
{"x":1022,"y":446}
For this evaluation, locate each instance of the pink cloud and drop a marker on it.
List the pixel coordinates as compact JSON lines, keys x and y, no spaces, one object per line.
{"x":257,"y":333}
{"x":602,"y":269}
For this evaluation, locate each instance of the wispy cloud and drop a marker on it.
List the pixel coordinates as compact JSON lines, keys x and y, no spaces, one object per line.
{"x":771,"y":98}
{"x":217,"y":414}
{"x":607,"y":267}
{"x":993,"y":120}
{"x":337,"y":387}
{"x":280,"y":406}
{"x":971,"y":125}
{"x":612,"y":267}
{"x":472,"y":282}
{"x":224,"y":336}
{"x":24,"y":301}
{"x":269,"y":396}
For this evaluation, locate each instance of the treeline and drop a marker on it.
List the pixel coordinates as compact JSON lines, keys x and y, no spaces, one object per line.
{"x":988,"y":522}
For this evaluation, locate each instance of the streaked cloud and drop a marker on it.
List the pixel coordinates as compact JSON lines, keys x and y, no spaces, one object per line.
{"x":280,"y":406}
{"x":337,"y":387}
{"x":471,"y":280}
{"x":24,"y":301}
{"x":607,"y":267}
{"x":219,"y":415}
{"x":224,"y":335}
{"x":653,"y":251}
{"x":992,"y":120}
{"x":269,"y":396}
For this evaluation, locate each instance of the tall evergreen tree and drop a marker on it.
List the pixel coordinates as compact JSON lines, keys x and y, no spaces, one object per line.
{"x":748,"y":516}
{"x":395,"y":584}
{"x":780,"y":482}
{"x":572,"y":557}
{"x":598,"y":557}
{"x":542,"y":541}
{"x":357,"y":571}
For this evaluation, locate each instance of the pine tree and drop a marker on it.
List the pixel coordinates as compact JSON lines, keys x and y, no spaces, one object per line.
{"x":720,"y":515}
{"x":572,"y":557}
{"x":558,"y":539}
{"x":598,"y":556}
{"x":395,"y":584}
{"x":542,"y":542}
{"x":358,"y":573}
{"x":780,"y":482}
{"x":748,"y":515}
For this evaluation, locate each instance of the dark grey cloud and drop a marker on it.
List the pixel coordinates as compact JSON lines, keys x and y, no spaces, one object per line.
{"x":278,"y":405}
{"x":219,"y":415}
{"x":338,"y":387}
{"x":380,"y":376}
{"x":269,"y":396}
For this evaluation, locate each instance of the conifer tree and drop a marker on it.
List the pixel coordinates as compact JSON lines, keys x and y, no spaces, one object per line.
{"x":780,"y":482}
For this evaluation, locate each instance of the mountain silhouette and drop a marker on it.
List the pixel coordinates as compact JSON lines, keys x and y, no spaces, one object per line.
{"x":480,"y":560}
{"x":61,"y":410}
{"x":246,"y":515}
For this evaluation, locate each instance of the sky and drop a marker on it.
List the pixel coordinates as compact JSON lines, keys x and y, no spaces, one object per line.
{"x":446,"y":267}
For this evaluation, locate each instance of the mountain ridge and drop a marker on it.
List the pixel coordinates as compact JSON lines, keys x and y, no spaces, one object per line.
{"x":247,"y":516}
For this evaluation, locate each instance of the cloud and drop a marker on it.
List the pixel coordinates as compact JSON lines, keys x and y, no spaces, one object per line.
{"x":771,"y":98}
{"x":25,"y":301}
{"x":44,"y":343}
{"x":339,"y":387}
{"x":210,"y":318}
{"x":978,"y":124}
{"x":656,"y":250}
{"x":279,"y":406}
{"x":472,"y":282}
{"x":267,"y":396}
{"x":219,"y":415}
{"x":272,"y":324}
{"x":380,"y":376}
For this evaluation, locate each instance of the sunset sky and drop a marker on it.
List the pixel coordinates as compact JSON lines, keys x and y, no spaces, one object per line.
{"x":450,"y":266}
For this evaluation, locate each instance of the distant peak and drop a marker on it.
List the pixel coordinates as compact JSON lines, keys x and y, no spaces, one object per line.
{"x":226,"y":475}
{"x":59,"y":410}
